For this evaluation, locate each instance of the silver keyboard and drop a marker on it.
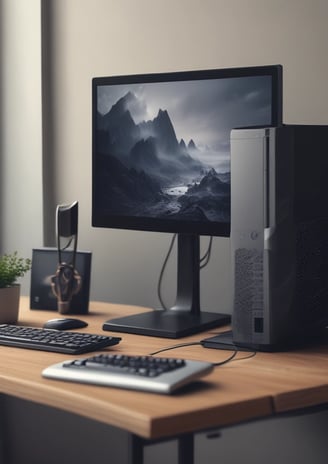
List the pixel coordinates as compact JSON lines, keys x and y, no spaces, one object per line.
{"x":147,"y":373}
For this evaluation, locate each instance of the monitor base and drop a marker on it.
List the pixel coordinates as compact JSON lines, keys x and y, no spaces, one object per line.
{"x":167,"y":324}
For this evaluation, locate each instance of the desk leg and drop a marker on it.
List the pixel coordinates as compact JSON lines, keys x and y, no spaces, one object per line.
{"x":3,"y":431}
{"x":185,"y":449}
{"x":136,"y":447}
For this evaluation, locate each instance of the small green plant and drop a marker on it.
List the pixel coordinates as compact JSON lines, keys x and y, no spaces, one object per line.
{"x":11,"y":268}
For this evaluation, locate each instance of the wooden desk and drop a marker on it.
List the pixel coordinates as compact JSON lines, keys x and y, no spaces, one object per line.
{"x":241,"y":390}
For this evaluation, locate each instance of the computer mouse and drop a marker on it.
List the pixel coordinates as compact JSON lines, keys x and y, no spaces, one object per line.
{"x":66,"y":323}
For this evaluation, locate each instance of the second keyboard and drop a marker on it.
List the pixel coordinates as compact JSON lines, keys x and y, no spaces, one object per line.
{"x":37,"y":338}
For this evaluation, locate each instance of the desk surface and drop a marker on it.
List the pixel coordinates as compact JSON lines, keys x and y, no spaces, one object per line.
{"x":241,"y":390}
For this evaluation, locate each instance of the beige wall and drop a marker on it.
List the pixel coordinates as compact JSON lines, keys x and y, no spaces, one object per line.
{"x":87,"y":38}
{"x":21,"y":225}
{"x":105,"y":37}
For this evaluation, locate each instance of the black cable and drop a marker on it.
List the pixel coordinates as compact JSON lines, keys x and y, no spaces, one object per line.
{"x":204,"y":260}
{"x":220,"y":363}
{"x":180,"y":345}
{"x":207,"y":256}
{"x":159,"y":292}
{"x":251,"y":355}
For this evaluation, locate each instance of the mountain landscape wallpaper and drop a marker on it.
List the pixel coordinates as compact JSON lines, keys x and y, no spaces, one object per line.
{"x":162,"y":149}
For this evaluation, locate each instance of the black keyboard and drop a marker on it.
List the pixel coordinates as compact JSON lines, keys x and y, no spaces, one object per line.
{"x":53,"y":340}
{"x":148,"y":373}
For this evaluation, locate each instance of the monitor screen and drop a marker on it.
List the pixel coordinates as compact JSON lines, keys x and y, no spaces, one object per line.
{"x":161,"y":162}
{"x":161,"y":145}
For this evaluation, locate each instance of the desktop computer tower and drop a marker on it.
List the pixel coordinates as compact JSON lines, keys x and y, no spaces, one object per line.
{"x":279,"y":235}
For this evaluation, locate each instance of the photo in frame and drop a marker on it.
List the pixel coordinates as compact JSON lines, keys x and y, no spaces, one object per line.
{"x":44,"y":266}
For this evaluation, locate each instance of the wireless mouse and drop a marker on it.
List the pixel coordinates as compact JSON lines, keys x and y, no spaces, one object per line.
{"x":65,"y":323}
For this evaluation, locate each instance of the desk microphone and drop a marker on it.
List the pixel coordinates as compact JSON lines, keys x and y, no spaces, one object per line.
{"x":67,"y":281}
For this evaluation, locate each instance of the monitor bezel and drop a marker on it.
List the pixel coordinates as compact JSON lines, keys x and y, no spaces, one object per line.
{"x":171,"y":225}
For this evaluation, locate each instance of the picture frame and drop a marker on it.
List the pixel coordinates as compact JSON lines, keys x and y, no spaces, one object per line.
{"x":44,"y":266}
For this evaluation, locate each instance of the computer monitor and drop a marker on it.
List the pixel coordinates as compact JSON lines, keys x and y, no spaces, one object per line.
{"x":161,"y":163}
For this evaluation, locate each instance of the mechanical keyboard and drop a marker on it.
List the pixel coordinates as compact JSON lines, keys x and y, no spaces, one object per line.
{"x":53,"y":340}
{"x":147,"y":373}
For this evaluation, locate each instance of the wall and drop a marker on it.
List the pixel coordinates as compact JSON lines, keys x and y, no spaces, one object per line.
{"x":21,"y":128}
{"x":106,"y":37}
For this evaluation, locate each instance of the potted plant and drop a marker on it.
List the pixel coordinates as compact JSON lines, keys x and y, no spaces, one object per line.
{"x":11,"y":268}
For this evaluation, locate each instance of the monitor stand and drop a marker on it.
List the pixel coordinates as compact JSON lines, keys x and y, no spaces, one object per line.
{"x":185,"y":317}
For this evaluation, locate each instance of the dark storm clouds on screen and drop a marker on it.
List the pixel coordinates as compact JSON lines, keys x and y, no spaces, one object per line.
{"x":203,"y":110}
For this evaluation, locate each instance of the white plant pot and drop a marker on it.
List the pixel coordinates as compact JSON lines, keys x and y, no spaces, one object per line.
{"x":9,"y":304}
